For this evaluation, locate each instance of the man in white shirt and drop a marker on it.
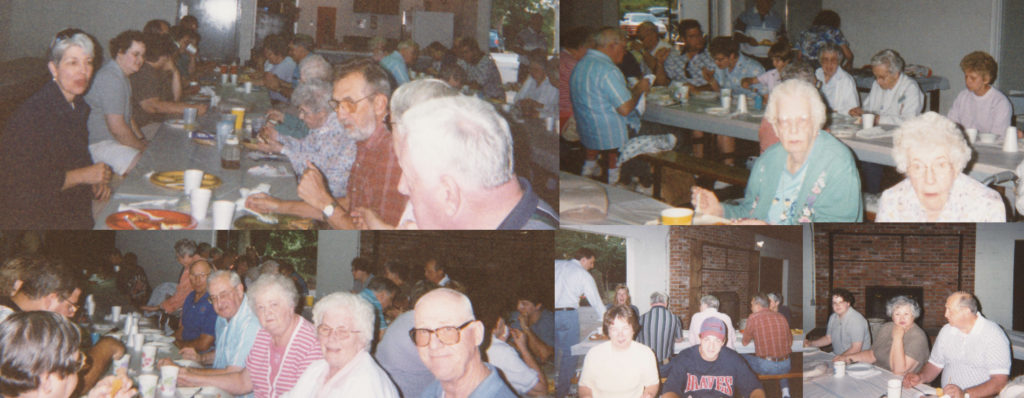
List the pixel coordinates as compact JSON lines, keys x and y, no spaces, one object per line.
{"x":572,"y":280}
{"x":972,"y":353}
{"x":709,"y":309}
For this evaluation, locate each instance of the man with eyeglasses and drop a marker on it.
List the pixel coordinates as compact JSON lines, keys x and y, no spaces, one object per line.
{"x":847,"y":331}
{"x":360,"y":98}
{"x":448,"y":339}
{"x":198,"y":318}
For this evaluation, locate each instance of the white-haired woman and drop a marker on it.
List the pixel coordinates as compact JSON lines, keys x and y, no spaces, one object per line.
{"x":328,"y":146}
{"x":900,"y":345}
{"x":48,"y":176}
{"x":838,"y":87}
{"x":344,"y":322}
{"x":284,"y":348}
{"x":932,"y":153}
{"x":809,"y":176}
{"x":894,"y":97}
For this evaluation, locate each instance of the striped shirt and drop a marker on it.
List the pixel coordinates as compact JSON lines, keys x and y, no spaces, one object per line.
{"x":659,"y":329}
{"x":733,"y":78}
{"x":770,"y":332}
{"x":302,"y":350}
{"x":598,"y":88}
{"x":971,"y":359}
{"x":680,"y":69}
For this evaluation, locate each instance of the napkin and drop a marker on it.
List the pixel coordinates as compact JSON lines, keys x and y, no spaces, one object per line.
{"x":207,"y":90}
{"x":267,"y":170}
{"x":245,"y":192}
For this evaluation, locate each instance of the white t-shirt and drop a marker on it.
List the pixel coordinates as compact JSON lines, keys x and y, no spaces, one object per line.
{"x":619,"y":374}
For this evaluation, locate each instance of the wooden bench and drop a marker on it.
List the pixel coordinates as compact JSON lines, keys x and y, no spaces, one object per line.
{"x":693,"y":165}
{"x":795,"y":377}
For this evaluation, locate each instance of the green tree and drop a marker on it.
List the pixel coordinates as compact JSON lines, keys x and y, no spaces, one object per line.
{"x":516,"y":13}
{"x":610,"y":255}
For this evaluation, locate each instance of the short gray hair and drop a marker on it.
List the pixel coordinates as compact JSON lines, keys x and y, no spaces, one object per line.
{"x":790,"y":89}
{"x":231,"y":276}
{"x":891,"y":59}
{"x":415,"y":92}
{"x":361,"y":311}
{"x":710,"y":301}
{"x":313,"y":94}
{"x":608,"y":35}
{"x":185,"y":248}
{"x":928,"y":131}
{"x":761,"y":299}
{"x":273,"y":284}
{"x":463,"y":137}
{"x":800,"y":70}
{"x":832,"y":48}
{"x":270,"y":267}
{"x":61,"y":46}
{"x":902,"y":301}
{"x":775,"y":297}
{"x":314,"y":67}
{"x":969,"y":302}
{"x":659,"y":298}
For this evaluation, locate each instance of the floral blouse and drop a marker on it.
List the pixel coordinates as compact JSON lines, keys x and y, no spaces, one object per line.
{"x":969,"y":201}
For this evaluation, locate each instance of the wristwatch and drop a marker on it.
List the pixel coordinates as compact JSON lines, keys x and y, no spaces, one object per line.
{"x":328,"y":210}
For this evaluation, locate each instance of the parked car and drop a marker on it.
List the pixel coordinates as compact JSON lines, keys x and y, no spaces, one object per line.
{"x":631,"y":20}
{"x":495,"y":42}
{"x":662,"y":13}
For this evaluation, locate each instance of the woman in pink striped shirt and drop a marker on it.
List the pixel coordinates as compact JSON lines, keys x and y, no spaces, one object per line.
{"x":284,"y":347}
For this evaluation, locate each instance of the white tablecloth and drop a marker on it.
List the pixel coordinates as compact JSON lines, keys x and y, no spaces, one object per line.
{"x":828,"y":385}
{"x":624,"y":206}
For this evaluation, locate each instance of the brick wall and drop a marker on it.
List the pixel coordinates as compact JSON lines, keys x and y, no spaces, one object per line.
{"x":728,"y":265}
{"x":926,"y":255}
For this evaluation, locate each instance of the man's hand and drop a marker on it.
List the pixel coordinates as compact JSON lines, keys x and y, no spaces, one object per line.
{"x":270,"y":134}
{"x":953,"y":391}
{"x":275,"y":115}
{"x":189,"y":353}
{"x":368,"y":219}
{"x":662,"y":54}
{"x":101,"y":191}
{"x":856,"y":112}
{"x":98,"y":173}
{"x":312,"y":188}
{"x":262,"y":203}
{"x":519,"y":338}
{"x":708,"y":73}
{"x":911,"y":380}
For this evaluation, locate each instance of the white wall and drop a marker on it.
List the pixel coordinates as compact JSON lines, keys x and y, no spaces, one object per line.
{"x":934,"y":33}
{"x":156,"y":251}
{"x":993,"y":270}
{"x":335,"y":251}
{"x":647,"y":259}
{"x":791,"y":254}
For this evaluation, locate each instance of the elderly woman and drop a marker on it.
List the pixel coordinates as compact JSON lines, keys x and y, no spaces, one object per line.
{"x":622,"y":298}
{"x":824,"y":31}
{"x":114,"y":138}
{"x":838,"y":87}
{"x":620,"y":367}
{"x":313,"y":67}
{"x":285,"y":346}
{"x":932,"y":153}
{"x":344,"y":323}
{"x":40,"y":358}
{"x":900,"y":346}
{"x":538,"y":96}
{"x":328,"y":146}
{"x":981,"y":106}
{"x":809,"y":176}
{"x":894,"y":97}
{"x":48,"y":176}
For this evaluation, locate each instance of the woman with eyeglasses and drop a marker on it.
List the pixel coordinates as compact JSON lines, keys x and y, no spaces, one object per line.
{"x":40,"y":358}
{"x":344,"y":323}
{"x":284,"y":348}
{"x":48,"y":176}
{"x":620,"y":367}
{"x":809,"y":176}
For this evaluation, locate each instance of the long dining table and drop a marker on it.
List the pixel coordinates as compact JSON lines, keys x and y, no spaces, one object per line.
{"x":866,"y":383}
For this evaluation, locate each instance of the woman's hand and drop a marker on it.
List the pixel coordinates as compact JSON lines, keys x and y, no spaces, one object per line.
{"x":706,"y":202}
{"x":368,"y":219}
{"x":262,"y":203}
{"x":898,"y":332}
{"x":270,"y":134}
{"x":856,"y":112}
{"x":98,"y":173}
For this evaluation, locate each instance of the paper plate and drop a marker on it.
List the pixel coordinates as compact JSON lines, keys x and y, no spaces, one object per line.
{"x":705,"y":95}
{"x":717,"y":111}
{"x":175,"y":123}
{"x":202,"y":392}
{"x":175,"y":179}
{"x":168,"y":220}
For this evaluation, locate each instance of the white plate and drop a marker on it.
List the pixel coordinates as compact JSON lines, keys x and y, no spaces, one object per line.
{"x":716,"y":111}
{"x":810,"y":349}
{"x":844,"y":131}
{"x":176,"y":123}
{"x":857,"y":369}
{"x":162,"y":346}
{"x":875,"y":133}
{"x":151,"y":331}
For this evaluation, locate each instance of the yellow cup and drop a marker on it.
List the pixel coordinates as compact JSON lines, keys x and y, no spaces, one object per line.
{"x":239,"y":112}
{"x":309,"y":301}
{"x":677,"y":216}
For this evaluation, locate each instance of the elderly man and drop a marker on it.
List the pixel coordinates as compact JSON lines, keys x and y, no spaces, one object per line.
{"x":279,"y":66}
{"x":198,"y":319}
{"x":361,"y":94}
{"x":971,"y":352}
{"x":776,"y":305}
{"x":397,"y":63}
{"x":185,"y":252}
{"x":480,"y":68}
{"x":709,"y":309}
{"x":236,"y":325}
{"x":435,"y":270}
{"x":153,"y":85}
{"x":300,"y":51}
{"x":652,"y":52}
{"x":457,"y":169}
{"x":602,"y":103}
{"x":575,"y":44}
{"x":448,"y":339}
{"x":572,"y":281}
{"x":660,"y":329}
{"x":379,"y":292}
{"x":847,"y":331}
{"x":773,"y":342}
{"x":757,"y":29}
{"x":536,"y":322}
{"x":708,"y":370}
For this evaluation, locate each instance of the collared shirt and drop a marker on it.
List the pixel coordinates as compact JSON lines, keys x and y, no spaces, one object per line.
{"x":485,"y":73}
{"x":572,"y":281}
{"x":379,"y":322}
{"x":329,"y":147}
{"x":771,"y":335}
{"x":840,"y":91}
{"x":659,"y":329}
{"x":373,"y":181}
{"x":689,"y":70}
{"x":544,"y":93}
{"x":301,"y":351}
{"x":598,"y":88}
{"x":968,"y":201}
{"x":848,"y":329}
{"x":395,"y":65}
{"x":235,"y":337}
{"x":197,"y":317}
{"x":697,"y":319}
{"x":492,"y":387}
{"x":989,"y":113}
{"x":896,"y":105}
{"x":284,"y":70}
{"x":971,"y":359}
{"x":759,"y":27}
{"x":733,"y":78}
{"x":530,"y":212}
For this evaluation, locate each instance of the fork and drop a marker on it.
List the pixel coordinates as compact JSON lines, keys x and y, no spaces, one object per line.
{"x":129,"y":220}
{"x":147,"y":214}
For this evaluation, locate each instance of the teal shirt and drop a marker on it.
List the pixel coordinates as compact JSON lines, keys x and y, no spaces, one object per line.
{"x":830,"y":191}
{"x":293,"y":127}
{"x":380,"y":322}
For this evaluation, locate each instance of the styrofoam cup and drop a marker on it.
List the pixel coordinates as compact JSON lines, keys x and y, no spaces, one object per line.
{"x":148,"y":356}
{"x":200,"y":201}
{"x":168,"y":380}
{"x":193,"y":180}
{"x":867,"y":120}
{"x":223,"y":214}
{"x":147,"y":385}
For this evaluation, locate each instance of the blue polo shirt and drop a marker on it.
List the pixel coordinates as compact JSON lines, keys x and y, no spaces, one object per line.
{"x":395,"y":65}
{"x":197,"y":318}
{"x":598,"y":88}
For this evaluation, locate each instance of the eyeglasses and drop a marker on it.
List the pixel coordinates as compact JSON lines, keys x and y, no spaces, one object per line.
{"x":348,"y":105}
{"x":448,"y":335}
{"x":67,"y":300}
{"x":201,"y":275}
{"x":939,"y":167}
{"x":802,"y":122}
{"x":219,"y":297}
{"x":326,"y":331}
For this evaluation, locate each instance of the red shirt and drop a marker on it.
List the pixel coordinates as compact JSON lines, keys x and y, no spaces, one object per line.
{"x":175,"y":302}
{"x":373,"y":181}
{"x":770,"y":331}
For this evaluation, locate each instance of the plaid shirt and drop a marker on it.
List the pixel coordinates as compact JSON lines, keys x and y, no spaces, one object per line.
{"x":485,"y":73}
{"x":373,"y":182}
{"x":771,"y":335}
{"x":679,"y":68}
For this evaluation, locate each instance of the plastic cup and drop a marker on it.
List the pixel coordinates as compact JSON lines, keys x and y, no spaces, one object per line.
{"x":309,"y":301}
{"x":190,"y":118}
{"x":223,"y":214}
{"x":139,"y":341}
{"x":895,"y":388}
{"x":239,"y":112}
{"x":248,"y":87}
{"x":123,"y":362}
{"x":972,"y":135}
{"x":867,"y":120}
{"x":168,"y":380}
{"x":840,"y":368}
{"x":683,"y":94}
{"x":224,"y":79}
{"x":115,"y":313}
{"x":200,"y":201}
{"x":726,"y":100}
{"x":193,"y":180}
{"x":234,"y":79}
{"x":677,"y":216}
{"x":147,"y":385}
{"x":148,"y":356}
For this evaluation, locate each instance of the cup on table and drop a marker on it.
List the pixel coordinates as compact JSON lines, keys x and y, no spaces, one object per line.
{"x":677,"y":216}
{"x":224,"y":79}
{"x":726,"y":100}
{"x":867,"y":120}
{"x":193,"y":180}
{"x":683,"y":93}
{"x":168,"y":380}
{"x":972,"y":135}
{"x":200,"y":201}
{"x":223,"y":213}
{"x":138,"y":341}
{"x":234,"y":79}
{"x":115,"y":313}
{"x":148,"y":356}
{"x":895,"y":388}
{"x":741,"y":104}
{"x":248,"y":87}
{"x":239,"y":113}
{"x":840,"y":367}
{"x":190,"y":118}
{"x":147,"y":385}
{"x":987,"y":138}
{"x":309,"y":300}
